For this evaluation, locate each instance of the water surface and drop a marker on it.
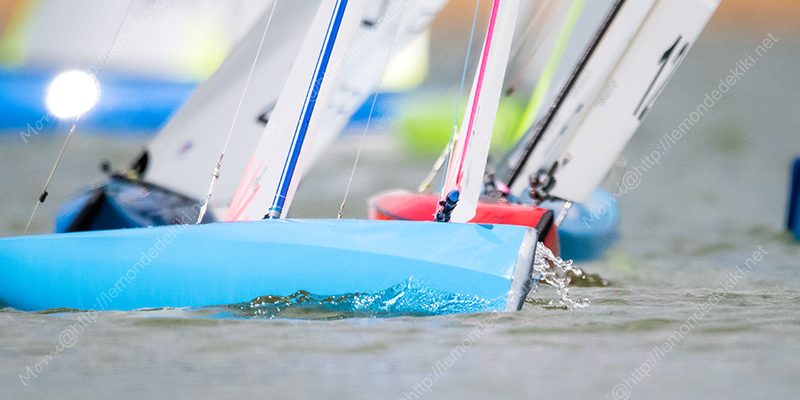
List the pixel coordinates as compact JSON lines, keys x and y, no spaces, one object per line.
{"x":686,"y":314}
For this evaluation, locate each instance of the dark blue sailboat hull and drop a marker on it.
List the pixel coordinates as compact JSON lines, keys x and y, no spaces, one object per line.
{"x":793,"y":215}
{"x":121,"y":203}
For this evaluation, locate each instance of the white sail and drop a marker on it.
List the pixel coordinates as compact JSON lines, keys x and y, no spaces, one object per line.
{"x":388,"y":27}
{"x":656,"y":51}
{"x":273,"y":172}
{"x":468,"y":163}
{"x":547,"y":138}
{"x":184,"y":153}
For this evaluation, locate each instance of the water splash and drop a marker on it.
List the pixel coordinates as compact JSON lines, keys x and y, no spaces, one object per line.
{"x":408,"y":298}
{"x":554,"y":271}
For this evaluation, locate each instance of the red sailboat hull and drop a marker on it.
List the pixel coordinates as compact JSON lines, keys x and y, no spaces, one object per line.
{"x":407,"y":206}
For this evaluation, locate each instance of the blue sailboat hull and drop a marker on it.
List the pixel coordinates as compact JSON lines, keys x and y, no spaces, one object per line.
{"x":229,"y":263}
{"x":590,"y":229}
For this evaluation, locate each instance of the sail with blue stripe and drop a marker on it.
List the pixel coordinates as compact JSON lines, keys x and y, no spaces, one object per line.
{"x":269,"y":181}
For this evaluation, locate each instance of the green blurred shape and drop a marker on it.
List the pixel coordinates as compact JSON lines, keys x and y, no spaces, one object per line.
{"x":14,"y":34}
{"x":425,"y":124}
{"x":543,"y":86}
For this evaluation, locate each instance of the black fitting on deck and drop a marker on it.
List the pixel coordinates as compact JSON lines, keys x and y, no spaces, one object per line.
{"x":447,"y":206}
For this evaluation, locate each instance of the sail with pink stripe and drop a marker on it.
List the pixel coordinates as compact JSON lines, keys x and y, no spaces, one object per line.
{"x":467,"y":164}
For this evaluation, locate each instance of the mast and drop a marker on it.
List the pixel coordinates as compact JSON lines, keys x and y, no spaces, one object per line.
{"x":269,"y":178}
{"x":464,"y":179}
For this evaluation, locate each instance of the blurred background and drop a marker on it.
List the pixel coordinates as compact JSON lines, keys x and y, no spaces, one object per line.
{"x":690,"y":222}
{"x":736,"y":158}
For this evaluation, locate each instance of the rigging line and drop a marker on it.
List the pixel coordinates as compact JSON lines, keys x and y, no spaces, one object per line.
{"x":444,"y":158}
{"x":369,"y":118}
{"x":217,"y":168}
{"x":43,"y":196}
